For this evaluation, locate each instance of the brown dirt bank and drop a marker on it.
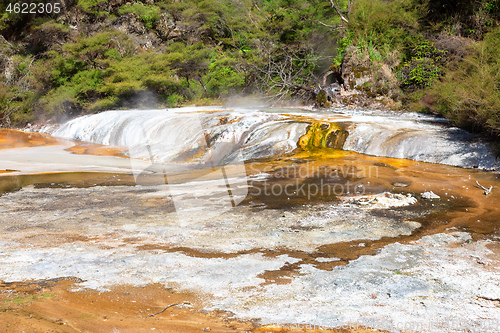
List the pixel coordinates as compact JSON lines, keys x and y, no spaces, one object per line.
{"x":51,"y":306}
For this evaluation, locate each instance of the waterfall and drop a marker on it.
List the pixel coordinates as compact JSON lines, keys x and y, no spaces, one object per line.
{"x":198,"y":135}
{"x":193,"y":135}
{"x":425,"y":141}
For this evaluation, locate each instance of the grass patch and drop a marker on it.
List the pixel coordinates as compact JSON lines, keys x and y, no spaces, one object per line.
{"x":19,"y":300}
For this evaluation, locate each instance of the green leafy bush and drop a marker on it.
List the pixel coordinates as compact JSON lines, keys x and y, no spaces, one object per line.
{"x":223,"y":78}
{"x":148,"y":14}
{"x":423,"y":66}
{"x":97,"y":50}
{"x":379,"y":22}
{"x":470,"y":94}
{"x":89,"y":5}
{"x":342,"y":45}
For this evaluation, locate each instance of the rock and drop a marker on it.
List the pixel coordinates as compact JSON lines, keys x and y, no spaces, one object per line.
{"x":382,"y":201}
{"x":129,"y":24}
{"x":430,"y":195}
{"x":368,"y":83}
{"x":321,"y":100}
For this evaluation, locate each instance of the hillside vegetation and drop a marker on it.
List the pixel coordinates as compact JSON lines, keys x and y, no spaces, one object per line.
{"x":420,"y":55}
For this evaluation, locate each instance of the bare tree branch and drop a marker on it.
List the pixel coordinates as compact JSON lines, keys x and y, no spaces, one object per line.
{"x":334,"y":27}
{"x":168,"y":306}
{"x":284,"y":73}
{"x":337,"y":9}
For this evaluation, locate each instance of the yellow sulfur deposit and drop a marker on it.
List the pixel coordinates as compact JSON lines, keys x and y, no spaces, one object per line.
{"x":323,"y":135}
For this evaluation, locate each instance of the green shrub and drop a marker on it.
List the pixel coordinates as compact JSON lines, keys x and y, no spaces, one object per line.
{"x":470,"y":94}
{"x":89,"y":5}
{"x":105,"y":103}
{"x":423,"y":67}
{"x":58,"y":100}
{"x":342,"y":44}
{"x":222,"y":78}
{"x":86,"y":84}
{"x":379,"y":22}
{"x":173,"y":100}
{"x":64,"y":68}
{"x":148,"y":14}
{"x":97,"y":50}
{"x":19,"y":92}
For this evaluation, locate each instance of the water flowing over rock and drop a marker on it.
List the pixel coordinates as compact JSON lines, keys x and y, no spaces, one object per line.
{"x":421,"y":139}
{"x":186,"y":135}
{"x":218,"y":135}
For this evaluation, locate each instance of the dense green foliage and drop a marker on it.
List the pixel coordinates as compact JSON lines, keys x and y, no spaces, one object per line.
{"x":100,"y":54}
{"x":470,"y":94}
{"x":423,"y":67}
{"x":105,"y":54}
{"x":445,"y":56}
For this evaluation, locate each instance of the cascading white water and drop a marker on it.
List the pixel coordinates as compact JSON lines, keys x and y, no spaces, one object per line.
{"x":425,"y":141}
{"x":217,"y":135}
{"x":188,"y":134}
